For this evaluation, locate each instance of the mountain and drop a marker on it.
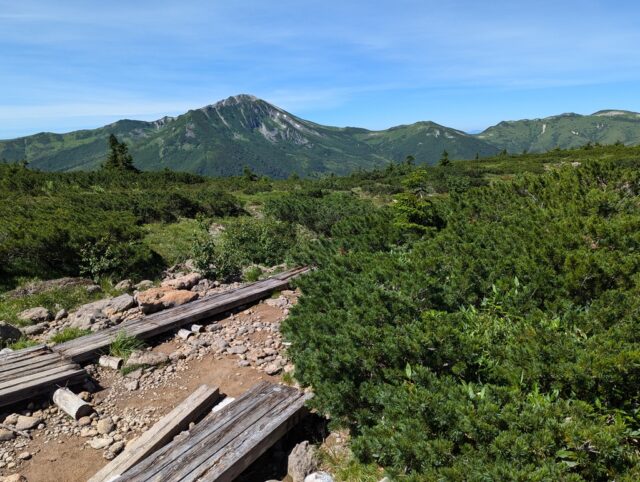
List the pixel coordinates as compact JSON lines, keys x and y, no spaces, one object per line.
{"x":565,"y":131}
{"x":222,"y":138}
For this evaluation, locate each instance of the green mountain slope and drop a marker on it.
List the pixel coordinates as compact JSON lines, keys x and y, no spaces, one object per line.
{"x":222,"y":138}
{"x":565,"y":131}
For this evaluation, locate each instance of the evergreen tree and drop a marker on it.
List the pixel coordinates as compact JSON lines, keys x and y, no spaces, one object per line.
{"x":444,"y":160}
{"x":119,"y":158}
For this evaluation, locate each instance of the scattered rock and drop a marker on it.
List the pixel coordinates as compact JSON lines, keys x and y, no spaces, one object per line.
{"x":6,"y":435}
{"x":117,"y":447}
{"x":8,"y":333}
{"x":272,"y":369}
{"x":144,"y":284}
{"x":185,"y":282}
{"x":147,"y":358}
{"x":60,"y":315}
{"x":319,"y":477}
{"x":238,"y":350}
{"x":100,"y":442}
{"x":14,"y":478}
{"x":93,"y":289}
{"x":124,"y":285}
{"x":27,"y":423}
{"x":302,"y":461}
{"x":84,"y":421}
{"x":38,"y":329}
{"x":106,"y":426}
{"x":132,"y":386}
{"x":35,"y":315}
{"x":88,"y":432}
{"x":156,"y":299}
{"x":24,"y":455}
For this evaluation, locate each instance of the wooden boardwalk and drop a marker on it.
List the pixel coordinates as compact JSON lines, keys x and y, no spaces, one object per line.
{"x":226,"y":442}
{"x":87,"y":347}
{"x":35,"y":371}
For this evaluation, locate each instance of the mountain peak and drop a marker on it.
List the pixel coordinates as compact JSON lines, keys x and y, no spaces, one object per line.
{"x":237,"y":100}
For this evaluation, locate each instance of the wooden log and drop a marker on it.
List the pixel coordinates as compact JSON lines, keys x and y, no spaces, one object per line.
{"x":71,"y":404}
{"x":113,"y":362}
{"x":197,"y":328}
{"x":198,"y":403}
{"x":184,"y":334}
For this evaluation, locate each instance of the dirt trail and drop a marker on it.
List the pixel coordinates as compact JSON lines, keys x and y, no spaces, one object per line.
{"x":70,"y":459}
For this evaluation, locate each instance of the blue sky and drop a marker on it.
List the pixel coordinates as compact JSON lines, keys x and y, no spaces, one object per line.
{"x":468,"y":64}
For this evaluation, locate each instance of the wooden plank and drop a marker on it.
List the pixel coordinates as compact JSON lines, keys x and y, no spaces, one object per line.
{"x":34,"y":368}
{"x":198,"y":403}
{"x":207,"y":432}
{"x":200,"y":461}
{"x":36,"y":375}
{"x":32,"y":388}
{"x":189,"y":459}
{"x":35,"y":358}
{"x":84,"y":348}
{"x":23,"y":353}
{"x":242,"y":452}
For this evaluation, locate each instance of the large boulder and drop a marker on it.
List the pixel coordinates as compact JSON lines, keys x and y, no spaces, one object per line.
{"x":8,"y":333}
{"x":185,"y":282}
{"x":302,"y":461}
{"x":33,"y":330}
{"x":99,"y":311}
{"x":157,"y":299}
{"x":36,"y":315}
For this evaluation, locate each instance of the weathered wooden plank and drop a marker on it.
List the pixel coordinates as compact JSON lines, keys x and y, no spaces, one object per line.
{"x":206,"y":456}
{"x":191,"y":458}
{"x":32,"y":387}
{"x":206,"y":433}
{"x":243,"y":451}
{"x":35,"y":358}
{"x":35,"y":368}
{"x":194,"y":406}
{"x":23,"y":353}
{"x":36,"y":375}
{"x":85,"y":348}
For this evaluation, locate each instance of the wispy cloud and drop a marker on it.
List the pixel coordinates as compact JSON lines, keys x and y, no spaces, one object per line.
{"x":72,"y":59}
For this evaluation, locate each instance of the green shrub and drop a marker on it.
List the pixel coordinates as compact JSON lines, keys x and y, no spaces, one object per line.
{"x":498,"y":341}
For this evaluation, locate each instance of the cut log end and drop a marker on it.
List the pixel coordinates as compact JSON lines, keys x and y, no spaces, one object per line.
{"x":71,"y":404}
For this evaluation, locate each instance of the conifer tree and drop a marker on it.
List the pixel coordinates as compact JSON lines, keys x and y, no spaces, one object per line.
{"x":444,"y":160}
{"x":119,"y":157}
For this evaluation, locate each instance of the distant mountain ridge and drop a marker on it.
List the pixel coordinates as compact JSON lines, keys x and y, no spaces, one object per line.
{"x":565,"y":131}
{"x":242,"y":130}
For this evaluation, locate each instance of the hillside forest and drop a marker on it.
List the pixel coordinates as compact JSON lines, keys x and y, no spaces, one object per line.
{"x":474,"y":320}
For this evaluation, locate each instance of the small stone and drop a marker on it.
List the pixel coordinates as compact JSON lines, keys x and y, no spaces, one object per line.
{"x":88,"y":432}
{"x":27,"y":423}
{"x":6,"y":435}
{"x":61,"y":315}
{"x":132,"y":386}
{"x":272,"y":369}
{"x":124,"y":285}
{"x":84,"y":421}
{"x":99,"y":443}
{"x":302,"y":461}
{"x":319,"y":477}
{"x":93,"y":289}
{"x":24,"y":455}
{"x":36,"y":315}
{"x":106,"y":426}
{"x":117,"y":447}
{"x":14,"y":477}
{"x":238,"y":350}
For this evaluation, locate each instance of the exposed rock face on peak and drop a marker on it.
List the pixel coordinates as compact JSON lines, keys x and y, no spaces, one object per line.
{"x":242,"y":130}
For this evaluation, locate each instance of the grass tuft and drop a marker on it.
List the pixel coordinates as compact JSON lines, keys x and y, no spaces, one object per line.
{"x":68,"y":334}
{"x":124,"y":345}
